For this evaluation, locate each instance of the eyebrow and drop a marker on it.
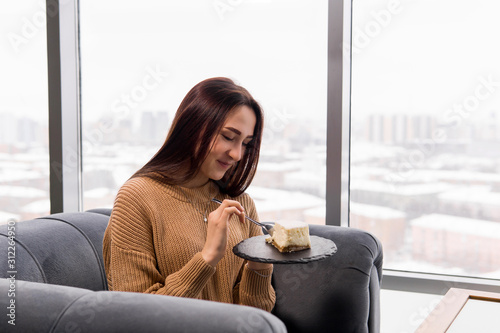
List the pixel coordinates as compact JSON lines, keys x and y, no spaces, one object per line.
{"x":234,"y":130}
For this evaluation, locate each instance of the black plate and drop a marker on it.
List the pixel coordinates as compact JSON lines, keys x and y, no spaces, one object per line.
{"x":257,"y":249}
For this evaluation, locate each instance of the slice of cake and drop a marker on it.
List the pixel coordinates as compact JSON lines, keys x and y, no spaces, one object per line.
{"x":290,"y":236}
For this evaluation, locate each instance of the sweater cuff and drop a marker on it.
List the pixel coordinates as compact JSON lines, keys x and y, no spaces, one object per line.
{"x":195,"y":274}
{"x":257,"y":281}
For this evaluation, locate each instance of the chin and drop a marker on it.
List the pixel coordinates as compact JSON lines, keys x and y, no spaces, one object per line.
{"x":217,"y":176}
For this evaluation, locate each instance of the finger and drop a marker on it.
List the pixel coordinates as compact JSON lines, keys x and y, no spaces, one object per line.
{"x":227,"y":212}
{"x":232,"y":203}
{"x":237,"y":204}
{"x":241,"y":216}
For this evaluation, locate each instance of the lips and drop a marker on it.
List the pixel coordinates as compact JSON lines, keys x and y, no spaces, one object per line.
{"x":225,"y":165}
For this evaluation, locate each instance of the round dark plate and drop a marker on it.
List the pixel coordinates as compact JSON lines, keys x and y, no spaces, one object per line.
{"x":257,"y":249}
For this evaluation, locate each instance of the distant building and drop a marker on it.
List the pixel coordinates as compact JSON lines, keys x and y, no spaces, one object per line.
{"x":273,"y":205}
{"x":273,"y":174}
{"x":28,"y":130}
{"x":487,"y":128}
{"x":16,"y":198}
{"x":463,"y":177}
{"x":17,"y":129}
{"x":452,"y":241}
{"x":8,"y":128}
{"x":388,"y":225}
{"x":315,"y":215}
{"x":477,"y":202}
{"x":154,"y":127}
{"x":399,"y":128}
{"x":413,"y":199}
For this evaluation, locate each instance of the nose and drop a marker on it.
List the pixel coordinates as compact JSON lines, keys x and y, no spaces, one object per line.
{"x":235,"y":152}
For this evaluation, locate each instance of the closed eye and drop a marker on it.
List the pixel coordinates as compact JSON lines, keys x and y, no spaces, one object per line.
{"x":248,"y":144}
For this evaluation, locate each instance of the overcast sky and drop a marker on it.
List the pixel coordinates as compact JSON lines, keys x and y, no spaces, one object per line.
{"x":428,"y":56}
{"x":425,"y":55}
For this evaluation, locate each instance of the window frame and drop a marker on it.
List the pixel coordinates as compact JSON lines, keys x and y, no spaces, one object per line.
{"x":65,"y":132}
{"x":64,"y":106}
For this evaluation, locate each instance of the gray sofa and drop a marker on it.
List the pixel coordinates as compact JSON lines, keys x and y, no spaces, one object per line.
{"x":58,"y":284}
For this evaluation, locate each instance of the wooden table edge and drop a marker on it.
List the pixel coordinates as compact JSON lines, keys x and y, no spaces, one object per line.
{"x":443,"y":315}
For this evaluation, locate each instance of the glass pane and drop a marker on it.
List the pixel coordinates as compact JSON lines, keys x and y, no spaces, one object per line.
{"x":24,"y":156}
{"x":425,"y":133}
{"x":138,"y":62}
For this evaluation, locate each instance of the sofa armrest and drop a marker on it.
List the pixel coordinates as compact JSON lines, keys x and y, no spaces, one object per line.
{"x":53,"y":308}
{"x":336,"y":294}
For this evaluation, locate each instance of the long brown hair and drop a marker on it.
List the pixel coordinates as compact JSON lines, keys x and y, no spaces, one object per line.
{"x":198,"y":120}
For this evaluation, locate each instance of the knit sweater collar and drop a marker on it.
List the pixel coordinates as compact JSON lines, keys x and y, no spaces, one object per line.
{"x":199,"y":194}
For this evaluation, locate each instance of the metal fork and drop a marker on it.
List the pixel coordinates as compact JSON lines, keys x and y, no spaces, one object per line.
{"x":266,"y":228}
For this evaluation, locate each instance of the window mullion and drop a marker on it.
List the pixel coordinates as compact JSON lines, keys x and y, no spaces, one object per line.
{"x":64,"y":106}
{"x":338,"y":108}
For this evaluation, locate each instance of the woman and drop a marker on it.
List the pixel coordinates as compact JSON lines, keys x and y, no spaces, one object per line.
{"x":165,"y":235}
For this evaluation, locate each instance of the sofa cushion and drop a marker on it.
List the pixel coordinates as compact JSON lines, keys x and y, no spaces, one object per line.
{"x":37,"y":306}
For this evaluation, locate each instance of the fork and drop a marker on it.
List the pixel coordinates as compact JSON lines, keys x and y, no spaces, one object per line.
{"x":266,"y":228}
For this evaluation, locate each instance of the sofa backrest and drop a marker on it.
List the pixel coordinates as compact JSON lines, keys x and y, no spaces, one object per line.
{"x":64,"y":249}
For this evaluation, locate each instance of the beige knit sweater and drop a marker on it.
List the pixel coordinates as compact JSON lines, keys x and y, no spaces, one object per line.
{"x":154,"y":239}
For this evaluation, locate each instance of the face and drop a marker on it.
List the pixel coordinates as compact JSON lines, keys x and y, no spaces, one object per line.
{"x":229,"y":146}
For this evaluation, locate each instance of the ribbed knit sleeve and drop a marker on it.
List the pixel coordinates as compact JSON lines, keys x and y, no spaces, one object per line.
{"x":256,"y":289}
{"x":130,"y":259}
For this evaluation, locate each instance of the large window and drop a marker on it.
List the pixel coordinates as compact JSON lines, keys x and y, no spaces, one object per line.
{"x":138,"y":62}
{"x":418,"y":114}
{"x":24,"y":157}
{"x":425,"y":124}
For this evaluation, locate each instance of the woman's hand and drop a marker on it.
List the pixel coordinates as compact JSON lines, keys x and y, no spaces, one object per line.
{"x":216,"y":243}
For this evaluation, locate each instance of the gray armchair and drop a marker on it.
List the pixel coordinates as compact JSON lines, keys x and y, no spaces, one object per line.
{"x":60,"y":284}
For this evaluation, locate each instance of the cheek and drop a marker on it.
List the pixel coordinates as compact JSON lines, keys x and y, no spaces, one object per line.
{"x":213,"y":155}
{"x":218,"y":148}
{"x":207,"y":167}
